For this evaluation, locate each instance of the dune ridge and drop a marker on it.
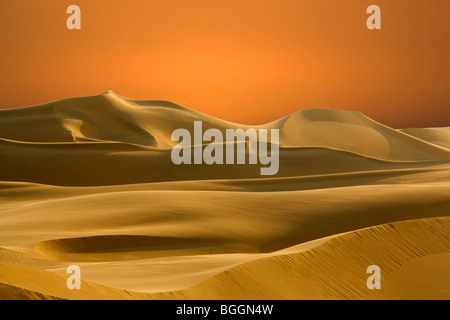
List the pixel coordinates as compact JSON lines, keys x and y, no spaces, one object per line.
{"x":436,"y":136}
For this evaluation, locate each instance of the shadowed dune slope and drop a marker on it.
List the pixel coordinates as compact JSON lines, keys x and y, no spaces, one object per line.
{"x":110,"y":163}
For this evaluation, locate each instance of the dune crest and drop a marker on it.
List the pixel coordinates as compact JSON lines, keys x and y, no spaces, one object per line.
{"x":436,"y":136}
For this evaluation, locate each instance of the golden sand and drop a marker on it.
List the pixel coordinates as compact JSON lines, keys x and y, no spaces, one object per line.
{"x":89,"y":181}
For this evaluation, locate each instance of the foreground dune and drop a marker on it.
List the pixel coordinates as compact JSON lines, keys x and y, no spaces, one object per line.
{"x":335,"y":270}
{"x":89,"y":181}
{"x":332,"y":269}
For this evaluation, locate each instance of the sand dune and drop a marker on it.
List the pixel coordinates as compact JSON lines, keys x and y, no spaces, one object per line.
{"x":137,"y":164}
{"x":89,"y":181}
{"x":436,"y":136}
{"x":110,"y":117}
{"x":333,"y":269}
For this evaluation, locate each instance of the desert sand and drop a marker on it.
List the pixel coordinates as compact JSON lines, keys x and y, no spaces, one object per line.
{"x":89,"y":181}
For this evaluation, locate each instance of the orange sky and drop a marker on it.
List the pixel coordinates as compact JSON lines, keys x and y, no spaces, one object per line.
{"x":248,"y":61}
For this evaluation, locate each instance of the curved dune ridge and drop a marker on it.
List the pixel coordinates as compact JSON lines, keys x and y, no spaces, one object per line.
{"x":89,"y":181}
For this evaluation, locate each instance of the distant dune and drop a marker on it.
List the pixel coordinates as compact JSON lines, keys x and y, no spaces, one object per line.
{"x":90,"y":181}
{"x":440,"y":137}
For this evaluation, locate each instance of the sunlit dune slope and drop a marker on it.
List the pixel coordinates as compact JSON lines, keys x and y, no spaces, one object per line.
{"x":436,"y":136}
{"x":215,"y":221}
{"x":336,"y":270}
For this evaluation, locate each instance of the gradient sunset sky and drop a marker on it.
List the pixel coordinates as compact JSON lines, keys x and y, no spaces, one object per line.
{"x":246,"y":61}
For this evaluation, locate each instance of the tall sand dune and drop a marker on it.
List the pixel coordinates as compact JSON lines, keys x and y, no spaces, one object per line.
{"x":110,"y":117}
